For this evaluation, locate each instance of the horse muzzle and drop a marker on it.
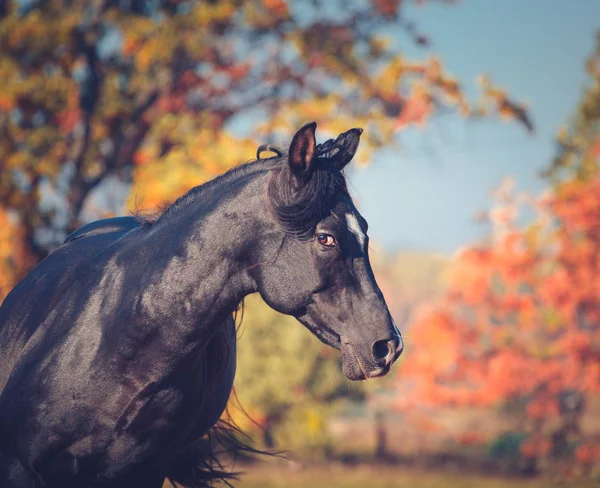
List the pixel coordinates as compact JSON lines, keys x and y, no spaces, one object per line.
{"x":376,"y":361}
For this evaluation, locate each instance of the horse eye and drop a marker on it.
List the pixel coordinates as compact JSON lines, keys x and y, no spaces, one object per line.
{"x":326,"y":240}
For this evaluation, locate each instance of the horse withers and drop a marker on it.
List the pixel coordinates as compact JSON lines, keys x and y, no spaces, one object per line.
{"x":117,"y":352}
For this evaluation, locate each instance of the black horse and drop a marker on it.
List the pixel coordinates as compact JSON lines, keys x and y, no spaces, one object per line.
{"x":117,"y":352}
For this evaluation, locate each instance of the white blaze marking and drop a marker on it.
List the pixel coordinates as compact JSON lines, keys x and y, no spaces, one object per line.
{"x":354,"y":227}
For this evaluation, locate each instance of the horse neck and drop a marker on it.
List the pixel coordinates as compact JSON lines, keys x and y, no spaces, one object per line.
{"x":205,"y":248}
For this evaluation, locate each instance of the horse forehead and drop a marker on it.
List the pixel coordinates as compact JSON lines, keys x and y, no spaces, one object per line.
{"x":355,"y":228}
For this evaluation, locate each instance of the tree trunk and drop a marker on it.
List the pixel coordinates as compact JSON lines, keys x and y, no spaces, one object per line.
{"x":381,"y":448}
{"x":268,"y":440}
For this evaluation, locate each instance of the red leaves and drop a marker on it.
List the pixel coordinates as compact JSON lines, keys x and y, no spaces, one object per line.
{"x":142,"y":157}
{"x":238,"y":71}
{"x":277,"y":7}
{"x":588,"y":453}
{"x":415,"y":110}
{"x":6,"y":104}
{"x":470,"y":438}
{"x":386,"y":7}
{"x":542,"y":408}
{"x":519,"y":322}
{"x":595,"y":151}
{"x":67,"y":120}
{"x":535,"y":446}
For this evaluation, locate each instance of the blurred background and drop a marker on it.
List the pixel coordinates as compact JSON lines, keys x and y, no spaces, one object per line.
{"x":478,"y":173}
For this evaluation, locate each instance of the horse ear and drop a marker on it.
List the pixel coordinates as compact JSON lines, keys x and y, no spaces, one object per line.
{"x":302,"y":151}
{"x":347,"y":144}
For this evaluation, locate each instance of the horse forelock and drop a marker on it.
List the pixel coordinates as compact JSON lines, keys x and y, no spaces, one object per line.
{"x":298,"y":210}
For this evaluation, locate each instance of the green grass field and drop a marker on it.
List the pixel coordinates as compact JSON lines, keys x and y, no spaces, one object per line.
{"x":383,"y":477}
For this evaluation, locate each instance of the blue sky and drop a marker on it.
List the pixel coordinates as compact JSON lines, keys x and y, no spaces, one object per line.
{"x":425,"y":196}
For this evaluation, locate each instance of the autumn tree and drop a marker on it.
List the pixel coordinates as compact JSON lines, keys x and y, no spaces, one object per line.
{"x":149,"y":94}
{"x":519,"y":326}
{"x":578,"y":144}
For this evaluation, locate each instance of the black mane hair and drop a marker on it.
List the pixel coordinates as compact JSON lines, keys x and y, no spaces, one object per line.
{"x":298,"y":210}
{"x":248,"y":168}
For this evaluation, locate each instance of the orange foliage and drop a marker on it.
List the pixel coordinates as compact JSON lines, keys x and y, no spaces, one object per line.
{"x":535,"y":446}
{"x":14,"y":259}
{"x":416,"y":111}
{"x":470,"y":438}
{"x":588,"y":453}
{"x":520,"y":321}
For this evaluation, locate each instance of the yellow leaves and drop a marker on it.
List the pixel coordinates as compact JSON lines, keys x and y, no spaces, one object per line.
{"x":390,"y":76}
{"x":433,"y":69}
{"x":562,"y":134}
{"x":136,"y":30}
{"x":161,"y":182}
{"x":314,"y":421}
{"x":428,"y":83}
{"x":36,"y":33}
{"x":46,"y":167}
{"x":136,"y":27}
{"x":99,"y":129}
{"x":93,"y":169}
{"x":496,"y":99}
{"x":17,"y":160}
{"x":362,"y":159}
{"x":198,"y":155}
{"x":323,"y":109}
{"x":223,"y":153}
{"x":378,"y":45}
{"x":36,"y":90}
{"x":207,"y":13}
{"x":155,"y":49}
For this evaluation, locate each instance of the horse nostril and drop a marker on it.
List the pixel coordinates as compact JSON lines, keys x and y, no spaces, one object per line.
{"x":384,"y":351}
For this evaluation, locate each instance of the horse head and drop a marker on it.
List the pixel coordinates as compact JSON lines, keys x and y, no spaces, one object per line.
{"x":320,"y":272}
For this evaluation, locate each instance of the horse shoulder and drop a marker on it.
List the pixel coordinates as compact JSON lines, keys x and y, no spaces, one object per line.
{"x":27,"y":306}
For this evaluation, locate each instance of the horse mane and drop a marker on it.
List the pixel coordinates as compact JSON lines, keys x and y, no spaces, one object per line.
{"x":163,"y":212}
{"x":297,"y":210}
